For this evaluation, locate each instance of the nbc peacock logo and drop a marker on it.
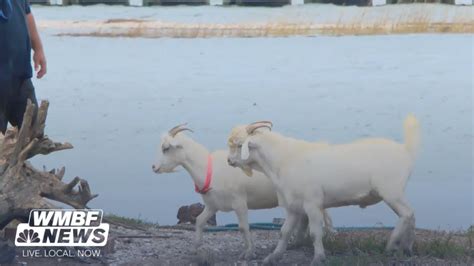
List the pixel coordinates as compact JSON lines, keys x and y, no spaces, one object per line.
{"x":28,"y":236}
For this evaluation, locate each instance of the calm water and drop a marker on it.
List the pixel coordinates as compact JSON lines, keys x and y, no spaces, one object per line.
{"x":113,"y":98}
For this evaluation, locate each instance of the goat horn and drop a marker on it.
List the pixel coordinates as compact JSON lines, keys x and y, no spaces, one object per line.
{"x":254,"y":126}
{"x":263,"y":122}
{"x":176,"y":127}
{"x":175,"y":130}
{"x":181,"y":129}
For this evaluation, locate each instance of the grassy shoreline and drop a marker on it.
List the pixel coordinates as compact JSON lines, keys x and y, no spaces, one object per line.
{"x":367,"y":246}
{"x":138,"y":242}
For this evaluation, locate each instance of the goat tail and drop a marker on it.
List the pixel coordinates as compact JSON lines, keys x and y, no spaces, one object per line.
{"x":411,"y":128}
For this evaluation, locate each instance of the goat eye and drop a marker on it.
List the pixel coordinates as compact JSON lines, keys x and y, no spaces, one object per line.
{"x":166,"y":149}
{"x":239,"y":146}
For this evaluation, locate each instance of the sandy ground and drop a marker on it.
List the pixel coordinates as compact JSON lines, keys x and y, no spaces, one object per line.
{"x":173,"y":246}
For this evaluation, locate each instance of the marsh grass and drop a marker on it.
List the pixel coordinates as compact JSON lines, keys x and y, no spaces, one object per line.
{"x":354,"y":244}
{"x":147,"y":30}
{"x":362,"y":24}
{"x":441,"y":248}
{"x":368,"y":247}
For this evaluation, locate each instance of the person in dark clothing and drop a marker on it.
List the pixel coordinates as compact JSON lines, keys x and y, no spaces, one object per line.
{"x":18,"y":36}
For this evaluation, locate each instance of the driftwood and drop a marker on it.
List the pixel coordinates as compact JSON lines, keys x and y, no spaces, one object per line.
{"x":23,"y":187}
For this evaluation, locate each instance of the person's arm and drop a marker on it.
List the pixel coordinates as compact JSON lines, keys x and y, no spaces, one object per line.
{"x":39,"y":59}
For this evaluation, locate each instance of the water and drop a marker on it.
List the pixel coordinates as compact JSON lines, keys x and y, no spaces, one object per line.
{"x":113,"y":98}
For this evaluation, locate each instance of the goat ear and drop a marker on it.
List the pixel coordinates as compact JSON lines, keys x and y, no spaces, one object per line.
{"x":245,"y":153}
{"x":173,"y":143}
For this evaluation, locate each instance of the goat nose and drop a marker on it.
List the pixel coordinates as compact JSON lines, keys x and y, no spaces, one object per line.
{"x":229,"y":162}
{"x":156,"y":169}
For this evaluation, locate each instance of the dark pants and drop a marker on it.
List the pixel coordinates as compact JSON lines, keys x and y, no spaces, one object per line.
{"x":14,"y":96}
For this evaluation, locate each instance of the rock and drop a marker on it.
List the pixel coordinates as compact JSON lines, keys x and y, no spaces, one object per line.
{"x":7,"y":252}
{"x":188,"y":214}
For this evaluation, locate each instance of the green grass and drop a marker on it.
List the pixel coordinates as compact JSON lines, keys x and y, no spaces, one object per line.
{"x":470,"y":235}
{"x":348,"y":245}
{"x":354,"y":249}
{"x":357,"y":260}
{"x":441,"y":248}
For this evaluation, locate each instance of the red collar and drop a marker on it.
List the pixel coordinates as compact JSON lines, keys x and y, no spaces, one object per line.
{"x":207,"y":183}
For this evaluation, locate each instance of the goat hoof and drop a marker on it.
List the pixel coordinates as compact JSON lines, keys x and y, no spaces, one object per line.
{"x":318,"y":260}
{"x":267,"y":261}
{"x":392,"y":248}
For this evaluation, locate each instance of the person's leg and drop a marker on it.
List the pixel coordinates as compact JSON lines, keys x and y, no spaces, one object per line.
{"x":3,"y":123}
{"x":4,"y":89}
{"x":19,"y":97}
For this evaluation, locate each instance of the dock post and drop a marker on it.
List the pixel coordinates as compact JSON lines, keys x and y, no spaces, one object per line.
{"x":136,"y":2}
{"x":379,"y":2}
{"x":59,"y":2}
{"x":216,"y":2}
{"x":297,"y":2}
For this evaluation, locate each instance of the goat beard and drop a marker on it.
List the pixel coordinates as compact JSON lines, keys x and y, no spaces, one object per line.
{"x":247,"y":170}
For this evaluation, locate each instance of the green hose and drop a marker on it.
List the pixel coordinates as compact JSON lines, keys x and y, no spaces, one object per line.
{"x":272,"y":226}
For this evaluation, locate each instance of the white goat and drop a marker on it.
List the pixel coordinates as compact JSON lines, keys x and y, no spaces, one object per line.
{"x":309,"y":179}
{"x":230,"y":189}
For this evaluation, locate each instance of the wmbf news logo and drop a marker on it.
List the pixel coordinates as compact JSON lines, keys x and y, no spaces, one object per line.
{"x":63,"y":228}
